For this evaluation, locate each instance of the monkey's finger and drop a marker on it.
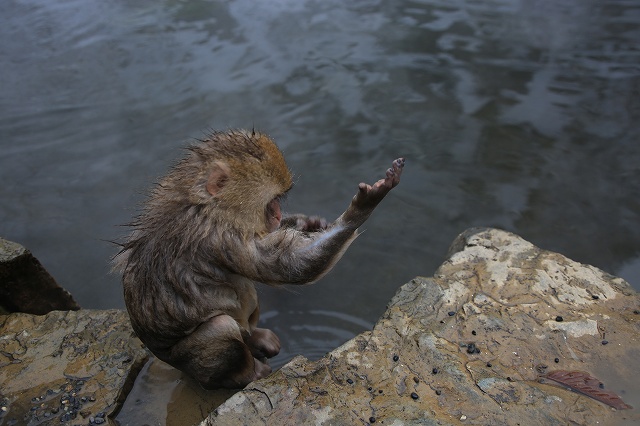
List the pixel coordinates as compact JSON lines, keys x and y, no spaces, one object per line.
{"x":393,"y":174}
{"x":398,"y":165}
{"x":363,"y":187}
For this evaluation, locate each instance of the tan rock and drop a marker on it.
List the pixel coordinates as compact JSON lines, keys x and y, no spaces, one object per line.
{"x":71,"y":366}
{"x":470,"y":346}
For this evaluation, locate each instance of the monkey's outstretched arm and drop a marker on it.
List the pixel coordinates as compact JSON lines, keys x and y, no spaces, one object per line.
{"x":289,"y":256}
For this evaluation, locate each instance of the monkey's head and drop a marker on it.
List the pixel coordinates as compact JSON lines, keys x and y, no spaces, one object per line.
{"x":240,"y":177}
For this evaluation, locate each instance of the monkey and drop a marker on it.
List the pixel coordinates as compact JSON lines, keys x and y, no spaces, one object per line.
{"x":208,"y":232}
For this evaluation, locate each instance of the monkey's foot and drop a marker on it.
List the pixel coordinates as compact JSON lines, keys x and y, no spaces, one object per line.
{"x":261,"y":369}
{"x":263,"y":343}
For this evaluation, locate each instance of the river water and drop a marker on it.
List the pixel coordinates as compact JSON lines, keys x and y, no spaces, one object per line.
{"x":521,"y":115}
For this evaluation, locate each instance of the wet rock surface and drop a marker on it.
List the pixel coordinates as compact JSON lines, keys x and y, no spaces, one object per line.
{"x":163,"y":395}
{"x":72,"y":367}
{"x":25,"y":286}
{"x":472,"y":345}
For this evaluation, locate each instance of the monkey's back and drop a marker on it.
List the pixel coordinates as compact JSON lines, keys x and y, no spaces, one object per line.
{"x":168,"y":296}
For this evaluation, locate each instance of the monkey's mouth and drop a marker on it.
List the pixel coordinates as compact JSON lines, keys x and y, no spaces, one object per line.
{"x":273,"y":214}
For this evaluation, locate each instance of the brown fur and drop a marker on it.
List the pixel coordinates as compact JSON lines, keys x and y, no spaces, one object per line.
{"x":203,"y":240}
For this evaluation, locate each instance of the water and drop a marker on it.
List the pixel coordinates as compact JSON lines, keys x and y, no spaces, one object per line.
{"x":521,"y":115}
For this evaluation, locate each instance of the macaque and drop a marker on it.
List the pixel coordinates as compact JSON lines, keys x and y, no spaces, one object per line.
{"x":210,"y":230}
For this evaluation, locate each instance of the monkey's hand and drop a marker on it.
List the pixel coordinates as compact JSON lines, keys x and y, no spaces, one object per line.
{"x":369,"y":196}
{"x":304,"y":223}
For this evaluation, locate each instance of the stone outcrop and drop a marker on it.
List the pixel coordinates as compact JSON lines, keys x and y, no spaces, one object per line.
{"x":66,"y":367}
{"x":475,"y":344}
{"x":25,"y":286}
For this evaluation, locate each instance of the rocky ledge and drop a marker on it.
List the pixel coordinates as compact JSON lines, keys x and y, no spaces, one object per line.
{"x":504,"y":333}
{"x":72,"y":367}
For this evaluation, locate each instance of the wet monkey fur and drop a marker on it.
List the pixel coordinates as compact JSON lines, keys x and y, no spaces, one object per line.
{"x":211,"y":229}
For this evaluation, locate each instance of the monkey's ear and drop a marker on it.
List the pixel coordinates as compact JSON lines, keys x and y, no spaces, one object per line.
{"x":218,"y":177}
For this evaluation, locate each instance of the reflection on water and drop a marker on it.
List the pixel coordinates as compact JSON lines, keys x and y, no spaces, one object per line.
{"x":515,"y":114}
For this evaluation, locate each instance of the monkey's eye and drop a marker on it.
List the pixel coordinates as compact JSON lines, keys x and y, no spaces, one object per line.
{"x":283,"y":197}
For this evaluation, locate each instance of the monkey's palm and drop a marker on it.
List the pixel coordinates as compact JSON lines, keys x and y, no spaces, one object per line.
{"x":369,"y":196}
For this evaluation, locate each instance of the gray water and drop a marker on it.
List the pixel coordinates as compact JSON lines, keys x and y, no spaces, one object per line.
{"x":521,"y":115}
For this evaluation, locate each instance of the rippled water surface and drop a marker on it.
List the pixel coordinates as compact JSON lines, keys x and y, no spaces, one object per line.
{"x":521,"y":115}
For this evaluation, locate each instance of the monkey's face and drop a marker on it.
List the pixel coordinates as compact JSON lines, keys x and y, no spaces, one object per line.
{"x":241,"y":177}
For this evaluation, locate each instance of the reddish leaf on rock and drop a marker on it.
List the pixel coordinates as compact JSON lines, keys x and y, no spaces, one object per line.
{"x":582,"y":382}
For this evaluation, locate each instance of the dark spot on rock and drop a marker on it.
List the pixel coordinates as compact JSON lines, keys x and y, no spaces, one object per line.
{"x":451,"y":313}
{"x":509,"y":379}
{"x":635,"y":311}
{"x":595,"y":297}
{"x":372,"y":419}
{"x":369,"y":388}
{"x":473,"y":332}
{"x":471,"y":348}
{"x":557,"y":360}
{"x":559,"y":318}
{"x":396,"y":357}
{"x":415,"y":379}
{"x":435,"y":370}
{"x":350,"y":381}
{"x":477,"y":350}
{"x":379,"y":390}
{"x":601,"y":385}
{"x":438,"y":392}
{"x":604,"y":342}
{"x":98,"y":420}
{"x":489,"y":365}
{"x":541,"y":368}
{"x":414,"y":395}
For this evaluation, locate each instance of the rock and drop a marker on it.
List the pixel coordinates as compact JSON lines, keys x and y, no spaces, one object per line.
{"x":471,"y":345}
{"x":66,"y":366}
{"x":25,"y":286}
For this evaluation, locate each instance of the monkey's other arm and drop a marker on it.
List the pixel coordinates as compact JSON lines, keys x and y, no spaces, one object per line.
{"x":293,"y":255}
